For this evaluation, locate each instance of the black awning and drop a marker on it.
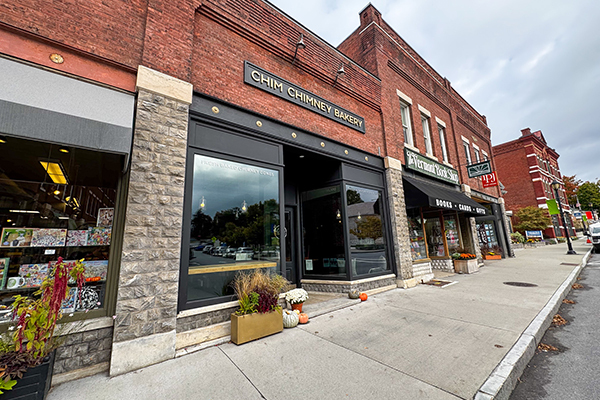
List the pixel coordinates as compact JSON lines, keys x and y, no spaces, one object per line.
{"x":418,"y":193}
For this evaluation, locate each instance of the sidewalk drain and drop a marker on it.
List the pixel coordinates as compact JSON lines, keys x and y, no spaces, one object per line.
{"x":522,"y":284}
{"x":569,"y":264}
{"x":438,"y":282}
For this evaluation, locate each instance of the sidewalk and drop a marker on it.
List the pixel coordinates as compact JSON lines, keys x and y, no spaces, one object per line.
{"x":423,"y":343}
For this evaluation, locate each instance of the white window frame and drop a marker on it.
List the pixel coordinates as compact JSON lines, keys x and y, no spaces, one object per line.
{"x":485,"y":156}
{"x":406,"y":126}
{"x":477,"y":153}
{"x":442,"y":133}
{"x":427,"y":134}
{"x":467,"y":148}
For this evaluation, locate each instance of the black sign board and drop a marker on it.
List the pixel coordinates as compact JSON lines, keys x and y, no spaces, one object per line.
{"x":482,"y":168}
{"x":264,"y":80}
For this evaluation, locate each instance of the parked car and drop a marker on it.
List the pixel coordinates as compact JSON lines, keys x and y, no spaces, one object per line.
{"x":595,"y":236}
{"x":207,"y":248}
{"x":229,"y":252}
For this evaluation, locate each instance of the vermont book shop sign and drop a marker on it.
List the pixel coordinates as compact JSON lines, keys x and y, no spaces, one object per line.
{"x":264,"y":80}
{"x":424,"y":165}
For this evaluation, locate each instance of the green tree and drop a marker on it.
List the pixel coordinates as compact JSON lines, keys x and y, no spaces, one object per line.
{"x":201,"y":225}
{"x":589,"y":192}
{"x":353,"y":197}
{"x":532,"y":219}
{"x":369,"y":227}
{"x":571,"y":187}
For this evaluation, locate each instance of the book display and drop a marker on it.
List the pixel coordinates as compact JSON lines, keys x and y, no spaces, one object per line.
{"x":418,"y":249}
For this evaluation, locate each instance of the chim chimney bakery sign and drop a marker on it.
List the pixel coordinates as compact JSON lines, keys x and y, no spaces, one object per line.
{"x":273,"y":84}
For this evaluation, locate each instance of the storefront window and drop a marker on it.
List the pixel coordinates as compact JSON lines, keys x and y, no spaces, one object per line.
{"x":55,"y":202}
{"x":367,"y":237}
{"x":418,"y":248}
{"x":452,"y":233}
{"x":435,"y":237}
{"x":234,"y":224}
{"x":487,"y":234}
{"x":323,"y":231}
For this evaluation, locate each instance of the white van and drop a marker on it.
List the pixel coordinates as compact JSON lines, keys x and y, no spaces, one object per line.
{"x":595,"y":236}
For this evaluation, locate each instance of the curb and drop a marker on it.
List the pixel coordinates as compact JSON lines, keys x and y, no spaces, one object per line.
{"x":501,"y":382}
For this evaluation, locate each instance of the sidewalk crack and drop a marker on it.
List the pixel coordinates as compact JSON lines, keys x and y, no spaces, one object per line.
{"x":242,"y":372}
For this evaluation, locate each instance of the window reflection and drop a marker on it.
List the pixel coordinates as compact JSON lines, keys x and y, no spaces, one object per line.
{"x":234,"y":225}
{"x":367,"y":238}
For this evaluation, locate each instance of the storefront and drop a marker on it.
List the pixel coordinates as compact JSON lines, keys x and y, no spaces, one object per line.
{"x":438,"y":213}
{"x":280,"y":199}
{"x":492,"y":233}
{"x":65,"y":145}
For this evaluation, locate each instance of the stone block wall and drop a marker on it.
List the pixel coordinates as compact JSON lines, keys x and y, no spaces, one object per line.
{"x":443,"y":265}
{"x":82,"y":350}
{"x":205,"y":319}
{"x":398,"y":217}
{"x":345,"y":287}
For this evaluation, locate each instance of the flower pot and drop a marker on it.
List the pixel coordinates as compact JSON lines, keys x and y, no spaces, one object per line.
{"x":35,"y":383}
{"x":245,"y":328}
{"x":494,"y":257}
{"x":297,"y":306}
{"x":466,"y":266}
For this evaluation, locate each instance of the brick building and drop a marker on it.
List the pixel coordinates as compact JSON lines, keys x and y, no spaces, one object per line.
{"x":527,"y":166}
{"x":179,"y":143}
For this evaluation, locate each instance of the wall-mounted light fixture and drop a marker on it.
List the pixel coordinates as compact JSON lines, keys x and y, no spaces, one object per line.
{"x":202,"y":204}
{"x":244,"y":208}
{"x":299,"y":45}
{"x":2,"y":139}
{"x":340,"y":72}
{"x":63,"y":149}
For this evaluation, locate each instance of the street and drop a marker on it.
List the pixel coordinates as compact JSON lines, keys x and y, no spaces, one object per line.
{"x":572,"y":371}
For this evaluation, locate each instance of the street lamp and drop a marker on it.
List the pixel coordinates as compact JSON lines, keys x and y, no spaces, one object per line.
{"x":555,"y":186}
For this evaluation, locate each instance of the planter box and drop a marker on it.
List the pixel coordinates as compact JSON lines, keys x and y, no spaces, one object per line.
{"x":35,"y":383}
{"x":466,"y":266}
{"x":245,"y":328}
{"x":494,"y":257}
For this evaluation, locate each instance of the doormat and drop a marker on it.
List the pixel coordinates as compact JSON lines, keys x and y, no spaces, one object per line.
{"x":439,"y":283}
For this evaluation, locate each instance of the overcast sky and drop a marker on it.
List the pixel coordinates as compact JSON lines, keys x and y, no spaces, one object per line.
{"x":523,"y":64}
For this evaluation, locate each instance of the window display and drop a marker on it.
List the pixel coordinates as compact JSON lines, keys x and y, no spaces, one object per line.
{"x":435,"y":237}
{"x":452,"y":231}
{"x":234,"y":224}
{"x":367,"y":233}
{"x":55,"y":202}
{"x":418,"y":249}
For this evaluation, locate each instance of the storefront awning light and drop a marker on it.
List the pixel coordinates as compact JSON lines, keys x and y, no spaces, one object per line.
{"x":55,"y":171}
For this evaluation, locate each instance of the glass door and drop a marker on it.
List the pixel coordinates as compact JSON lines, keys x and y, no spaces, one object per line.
{"x":289,"y":235}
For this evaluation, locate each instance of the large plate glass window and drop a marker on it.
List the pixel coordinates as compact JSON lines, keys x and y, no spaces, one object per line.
{"x":367,"y":230}
{"x":235,"y":224}
{"x":418,"y":248}
{"x":56,"y":201}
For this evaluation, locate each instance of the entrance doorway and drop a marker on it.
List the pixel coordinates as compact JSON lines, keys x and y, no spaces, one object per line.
{"x":291,"y":245}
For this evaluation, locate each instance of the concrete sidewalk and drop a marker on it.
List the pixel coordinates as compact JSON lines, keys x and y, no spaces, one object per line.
{"x":470,"y":339}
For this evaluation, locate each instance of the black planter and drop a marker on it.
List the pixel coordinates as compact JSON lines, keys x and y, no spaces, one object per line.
{"x":35,"y":383}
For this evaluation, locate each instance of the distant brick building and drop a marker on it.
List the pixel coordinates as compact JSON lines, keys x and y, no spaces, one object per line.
{"x":527,"y":166}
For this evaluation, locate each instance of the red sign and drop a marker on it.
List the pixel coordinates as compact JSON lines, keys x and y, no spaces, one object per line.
{"x":489,"y":180}
{"x":589,"y":216}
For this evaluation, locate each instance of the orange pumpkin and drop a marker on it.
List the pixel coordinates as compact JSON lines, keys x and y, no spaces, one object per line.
{"x":303,"y":318}
{"x":363,"y":296}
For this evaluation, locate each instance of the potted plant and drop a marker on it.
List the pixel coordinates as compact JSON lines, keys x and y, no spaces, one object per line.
{"x":491,"y":253}
{"x":27,"y":348}
{"x":259,"y":313}
{"x":465,"y":263}
{"x":296,"y":297}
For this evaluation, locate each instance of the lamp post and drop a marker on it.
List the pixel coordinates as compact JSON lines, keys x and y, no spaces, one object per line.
{"x":555,"y":186}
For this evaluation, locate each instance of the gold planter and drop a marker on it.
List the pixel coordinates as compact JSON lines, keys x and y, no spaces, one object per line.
{"x":245,"y":328}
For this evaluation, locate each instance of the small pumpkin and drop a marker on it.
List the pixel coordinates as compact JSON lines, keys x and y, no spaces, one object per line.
{"x":353,"y":294}
{"x":363,"y":296}
{"x":303,"y":318}
{"x":290,"y":319}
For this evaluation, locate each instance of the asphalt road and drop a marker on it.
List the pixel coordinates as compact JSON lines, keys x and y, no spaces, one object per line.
{"x":572,"y":372}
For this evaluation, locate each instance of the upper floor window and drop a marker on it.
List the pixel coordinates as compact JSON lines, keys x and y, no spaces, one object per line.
{"x":477,"y":156}
{"x":426,"y":134}
{"x":442,"y":132}
{"x":406,"y":128}
{"x":467,"y":152}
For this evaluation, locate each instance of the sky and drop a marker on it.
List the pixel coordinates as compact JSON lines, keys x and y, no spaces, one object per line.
{"x":523,"y":64}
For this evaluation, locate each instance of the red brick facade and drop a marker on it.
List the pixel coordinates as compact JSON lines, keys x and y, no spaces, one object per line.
{"x":527,"y":166}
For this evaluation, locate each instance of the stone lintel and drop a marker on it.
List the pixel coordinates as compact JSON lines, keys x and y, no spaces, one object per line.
{"x":141,"y":352}
{"x":164,"y":85}
{"x":393,"y":163}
